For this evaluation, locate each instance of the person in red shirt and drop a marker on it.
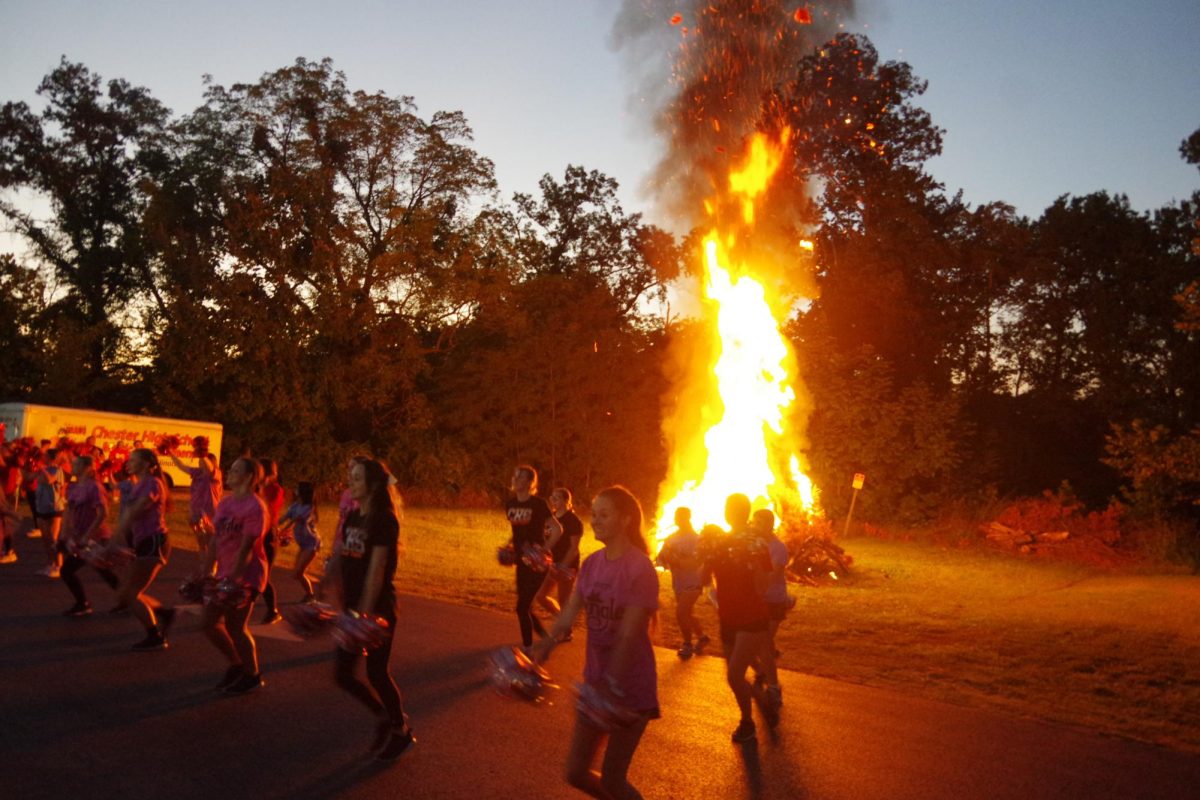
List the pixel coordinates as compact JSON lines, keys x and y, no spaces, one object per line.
{"x":741,"y":568}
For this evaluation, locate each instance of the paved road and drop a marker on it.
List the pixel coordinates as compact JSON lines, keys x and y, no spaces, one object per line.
{"x":82,"y":716}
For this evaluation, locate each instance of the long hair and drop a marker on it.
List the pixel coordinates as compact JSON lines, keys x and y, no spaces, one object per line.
{"x":151,"y":459}
{"x":382,"y":497}
{"x":255,"y":469}
{"x":628,"y":507}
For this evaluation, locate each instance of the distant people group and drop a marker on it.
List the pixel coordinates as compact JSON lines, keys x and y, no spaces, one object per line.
{"x":238,"y":518}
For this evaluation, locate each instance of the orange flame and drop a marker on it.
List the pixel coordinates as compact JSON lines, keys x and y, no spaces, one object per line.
{"x":742,"y":442}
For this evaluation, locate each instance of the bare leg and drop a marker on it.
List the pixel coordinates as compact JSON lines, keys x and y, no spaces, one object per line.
{"x":746,"y":645}
{"x":300,"y":571}
{"x":545,"y":596}
{"x":132,"y":594}
{"x":685,"y":605}
{"x":243,"y":642}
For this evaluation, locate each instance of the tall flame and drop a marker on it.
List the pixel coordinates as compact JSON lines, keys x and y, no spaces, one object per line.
{"x":742,"y":442}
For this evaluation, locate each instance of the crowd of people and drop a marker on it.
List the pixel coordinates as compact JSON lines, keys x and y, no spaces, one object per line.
{"x":238,"y":519}
{"x":617,"y":589}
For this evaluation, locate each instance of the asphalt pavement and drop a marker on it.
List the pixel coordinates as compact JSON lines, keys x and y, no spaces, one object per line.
{"x":82,"y":716}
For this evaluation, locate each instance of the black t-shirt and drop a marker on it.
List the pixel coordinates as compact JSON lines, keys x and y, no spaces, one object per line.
{"x":528,"y":520}
{"x":572,"y":529}
{"x":359,"y":536}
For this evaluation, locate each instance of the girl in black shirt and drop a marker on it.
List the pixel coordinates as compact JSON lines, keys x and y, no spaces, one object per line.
{"x":366,"y":562}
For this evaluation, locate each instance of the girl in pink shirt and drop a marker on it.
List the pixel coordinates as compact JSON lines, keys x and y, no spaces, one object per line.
{"x":144,"y":520}
{"x":237,"y":553}
{"x":206,"y":490}
{"x":618,"y":587}
{"x":85,"y":521}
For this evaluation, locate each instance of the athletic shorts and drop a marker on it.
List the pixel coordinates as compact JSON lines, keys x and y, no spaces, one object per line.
{"x":306,"y":541}
{"x":729,"y":632}
{"x":154,"y":547}
{"x":778,"y":611}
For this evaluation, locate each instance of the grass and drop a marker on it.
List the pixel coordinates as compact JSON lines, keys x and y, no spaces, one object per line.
{"x":1113,"y":650}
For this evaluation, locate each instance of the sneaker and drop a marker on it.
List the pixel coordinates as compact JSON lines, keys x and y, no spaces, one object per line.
{"x":153,"y":641}
{"x":166,"y":617}
{"x":745,"y":731}
{"x":768,"y":708}
{"x":9,"y":558}
{"x":270,"y":618}
{"x":33,"y":533}
{"x":399,"y":741}
{"x":701,"y":643}
{"x":308,"y":598}
{"x":231,"y":676}
{"x":246,"y":683}
{"x":685,"y":652}
{"x":50,"y":572}
{"x":79,"y":610}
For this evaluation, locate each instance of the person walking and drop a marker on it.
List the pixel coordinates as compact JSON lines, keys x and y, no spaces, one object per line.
{"x":144,"y":522}
{"x":366,"y":563}
{"x":86,"y":521}
{"x":617,"y":589}
{"x":527,"y":514}
{"x":237,"y":555}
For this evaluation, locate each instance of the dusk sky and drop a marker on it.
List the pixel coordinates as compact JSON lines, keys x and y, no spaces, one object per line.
{"x":1037,"y":99}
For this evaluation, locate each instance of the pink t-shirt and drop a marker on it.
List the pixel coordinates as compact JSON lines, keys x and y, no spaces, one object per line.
{"x":153,"y":519}
{"x":86,"y":502}
{"x":608,"y":588}
{"x":238,"y":519}
{"x":206,"y":490}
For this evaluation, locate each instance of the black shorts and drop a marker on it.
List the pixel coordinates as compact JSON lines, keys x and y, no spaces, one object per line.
{"x":47,"y":514}
{"x":729,"y":632}
{"x":154,"y":547}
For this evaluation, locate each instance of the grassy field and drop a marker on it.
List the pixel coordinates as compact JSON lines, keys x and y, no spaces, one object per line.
{"x":1111,"y":650}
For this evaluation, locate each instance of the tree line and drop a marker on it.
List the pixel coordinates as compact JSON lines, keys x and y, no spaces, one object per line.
{"x":326,"y":271}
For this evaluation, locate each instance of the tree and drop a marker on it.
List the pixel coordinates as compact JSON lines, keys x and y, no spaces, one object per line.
{"x":87,"y":154}
{"x":315,"y":245}
{"x":22,"y":332}
{"x":559,"y":367}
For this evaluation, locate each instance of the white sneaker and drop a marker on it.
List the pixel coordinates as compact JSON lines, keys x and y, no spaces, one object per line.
{"x":9,"y":557}
{"x":49,"y":571}
{"x":33,"y":533}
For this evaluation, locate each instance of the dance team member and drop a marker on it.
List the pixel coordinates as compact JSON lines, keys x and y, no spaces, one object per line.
{"x":238,"y":555}
{"x":563,"y":541}
{"x":205,"y":493}
{"x":144,"y":521}
{"x":300,"y":521}
{"x":86,"y":520}
{"x":272,"y":495}
{"x":527,"y":514}
{"x":50,"y":498}
{"x":618,"y":589}
{"x":679,"y":554}
{"x":366,"y":562}
{"x":740,"y":565}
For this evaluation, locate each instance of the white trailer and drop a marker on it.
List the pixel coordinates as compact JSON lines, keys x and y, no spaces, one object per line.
{"x":110,"y":429}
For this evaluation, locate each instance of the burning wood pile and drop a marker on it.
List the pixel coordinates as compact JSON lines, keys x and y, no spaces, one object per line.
{"x":816,"y":560}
